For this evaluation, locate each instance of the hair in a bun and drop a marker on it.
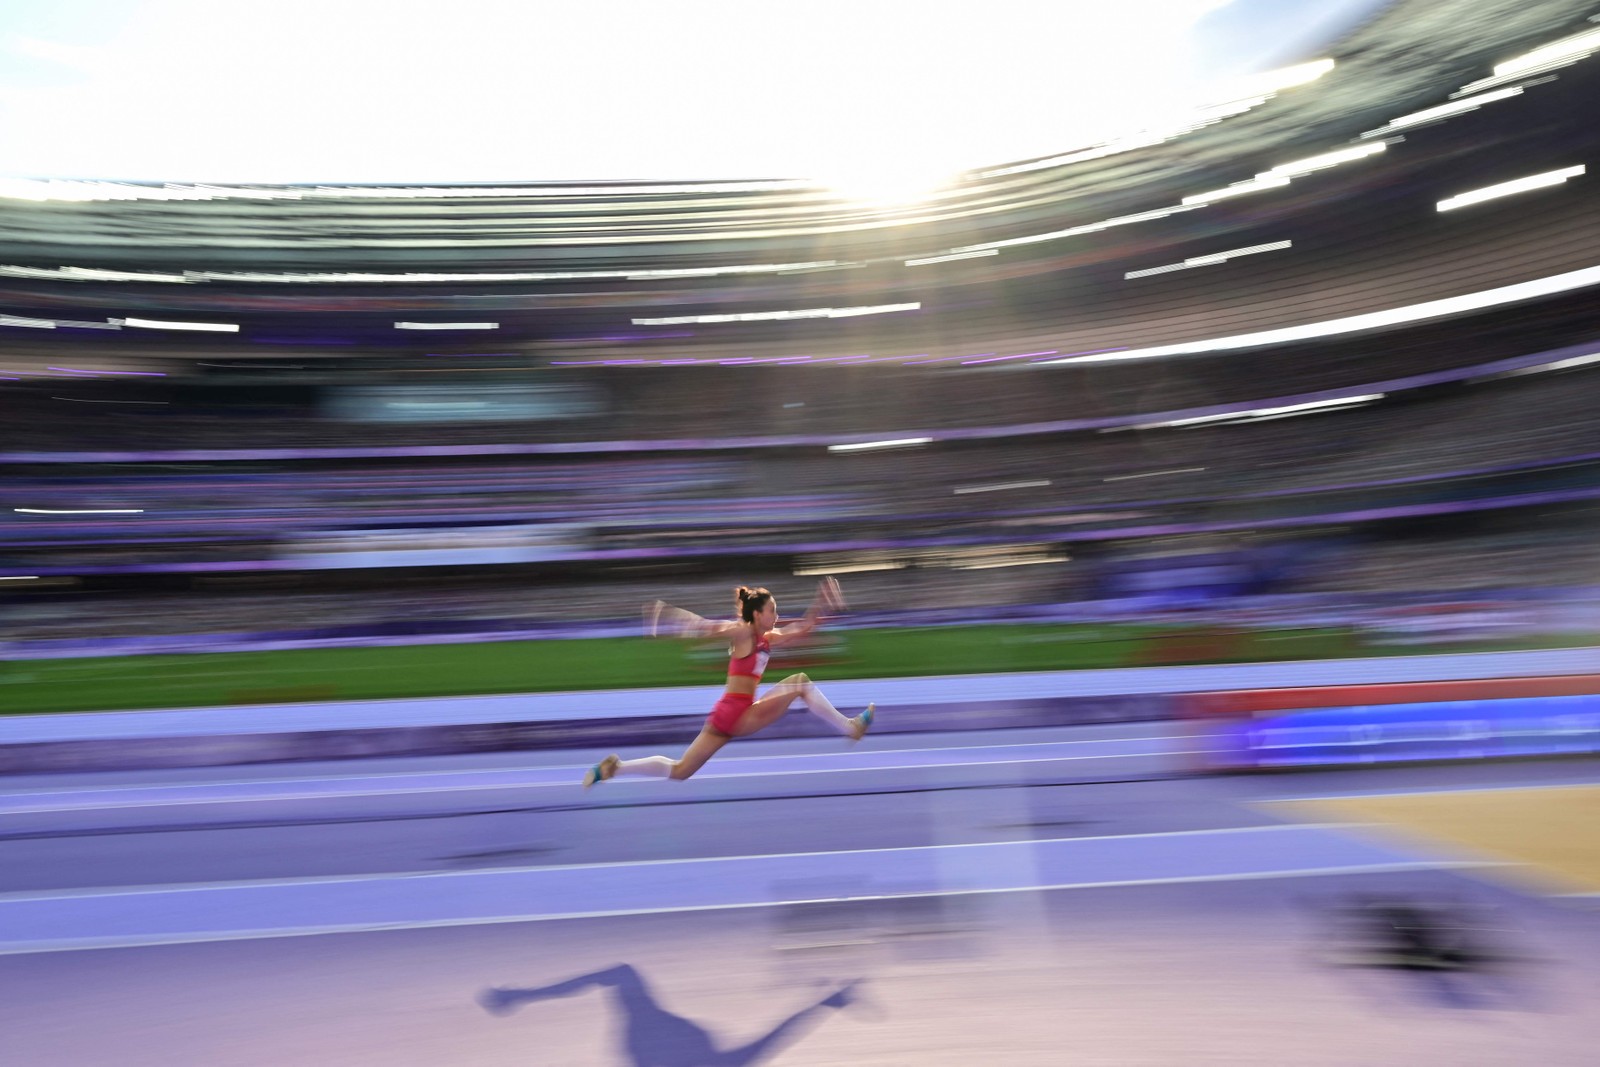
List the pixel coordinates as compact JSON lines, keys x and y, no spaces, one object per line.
{"x":749,"y":601}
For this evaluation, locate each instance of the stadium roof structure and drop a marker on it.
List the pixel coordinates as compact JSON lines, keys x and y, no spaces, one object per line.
{"x":1256,"y":221}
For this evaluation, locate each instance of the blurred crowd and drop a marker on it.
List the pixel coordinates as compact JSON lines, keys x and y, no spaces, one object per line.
{"x":1561,"y":556}
{"x":612,"y":603}
{"x":909,"y":525}
{"x":1333,"y":580}
{"x":538,"y":508}
{"x":656,"y":403}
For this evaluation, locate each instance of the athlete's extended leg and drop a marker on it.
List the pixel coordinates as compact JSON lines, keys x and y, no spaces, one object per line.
{"x":762,"y":1047}
{"x":651,"y":1033}
{"x":503,"y":999}
{"x":694,"y":757}
{"x":772,"y":707}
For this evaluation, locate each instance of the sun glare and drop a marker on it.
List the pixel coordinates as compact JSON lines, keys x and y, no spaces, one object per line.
{"x":883,"y":102}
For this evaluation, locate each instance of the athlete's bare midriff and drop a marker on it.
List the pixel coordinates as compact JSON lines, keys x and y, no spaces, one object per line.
{"x":742,"y":685}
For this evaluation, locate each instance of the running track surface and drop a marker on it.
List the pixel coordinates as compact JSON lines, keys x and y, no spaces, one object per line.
{"x":1025,"y":897}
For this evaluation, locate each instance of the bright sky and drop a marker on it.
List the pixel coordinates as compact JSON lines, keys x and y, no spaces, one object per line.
{"x":390,"y":91}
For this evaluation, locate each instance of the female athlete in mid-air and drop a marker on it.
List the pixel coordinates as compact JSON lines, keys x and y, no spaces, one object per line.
{"x":739,"y":713}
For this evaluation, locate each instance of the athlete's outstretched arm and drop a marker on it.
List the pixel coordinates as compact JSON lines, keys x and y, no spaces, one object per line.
{"x":663,"y":620}
{"x":828,"y":601}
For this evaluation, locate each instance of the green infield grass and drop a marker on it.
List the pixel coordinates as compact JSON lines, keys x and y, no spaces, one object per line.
{"x":299,"y":675}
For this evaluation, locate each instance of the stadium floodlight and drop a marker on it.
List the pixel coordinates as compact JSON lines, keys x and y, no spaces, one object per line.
{"x":1034,"y":238}
{"x":1276,"y":178}
{"x":779,"y":316}
{"x":1076,"y":231}
{"x":90,"y":274}
{"x":1036,"y":483}
{"x":1143,"y":216}
{"x":51,"y":324}
{"x":899,"y":442}
{"x":1560,"y":364}
{"x":12,"y":270}
{"x":1555,"y":54}
{"x":166,"y":324}
{"x":1327,"y":159}
{"x":1152,"y":474}
{"x":1026,"y":560}
{"x":709,"y":272}
{"x":1254,"y":185}
{"x":1520,"y":185}
{"x":1444,"y":111}
{"x":953,"y":256}
{"x":1263,"y":414}
{"x":447,"y":325}
{"x":811,"y":569}
{"x":119,"y":373}
{"x":1552,"y":56}
{"x":1210,"y":260}
{"x":1374,"y":320}
{"x":1572,"y":361}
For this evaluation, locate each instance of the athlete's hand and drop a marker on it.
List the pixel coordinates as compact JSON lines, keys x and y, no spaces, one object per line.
{"x":652,"y":617}
{"x":830,"y":596}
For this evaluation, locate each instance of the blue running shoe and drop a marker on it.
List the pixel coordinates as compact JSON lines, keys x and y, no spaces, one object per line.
{"x":600,"y":772}
{"x":863,"y":723}
{"x":497,"y":1001}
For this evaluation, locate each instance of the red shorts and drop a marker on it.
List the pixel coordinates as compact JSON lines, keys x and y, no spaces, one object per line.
{"x":726,"y":713}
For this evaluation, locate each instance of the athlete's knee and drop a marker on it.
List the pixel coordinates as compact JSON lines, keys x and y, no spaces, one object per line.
{"x":790,"y":687}
{"x":681,"y":770}
{"x":622,"y":974}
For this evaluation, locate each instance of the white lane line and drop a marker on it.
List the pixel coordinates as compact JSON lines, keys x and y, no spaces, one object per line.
{"x":566,"y":767}
{"x":124,"y":917}
{"x":124,"y":798}
{"x":135,"y":941}
{"x":754,"y":857}
{"x":960,"y":763}
{"x":571,"y":782}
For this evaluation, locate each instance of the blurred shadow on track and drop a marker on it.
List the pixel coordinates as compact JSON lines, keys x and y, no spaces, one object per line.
{"x":1443,"y":952}
{"x":654,"y":1037}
